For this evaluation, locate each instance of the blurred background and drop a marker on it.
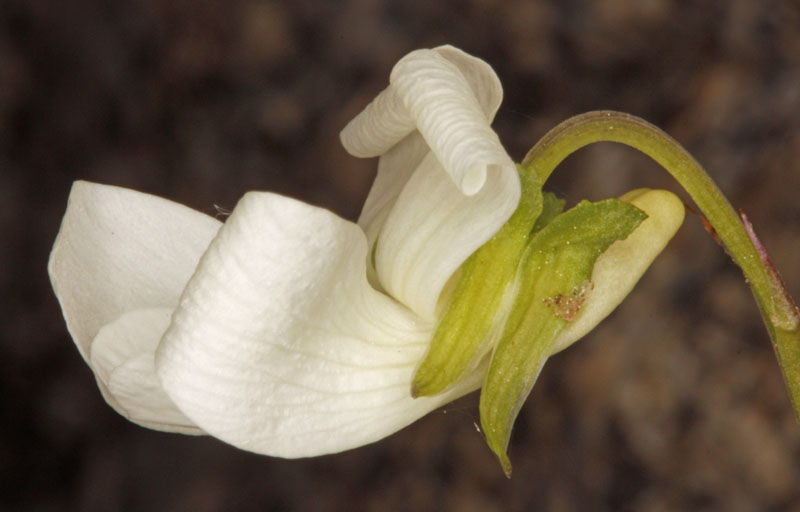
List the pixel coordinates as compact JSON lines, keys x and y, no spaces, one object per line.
{"x":674,"y":403}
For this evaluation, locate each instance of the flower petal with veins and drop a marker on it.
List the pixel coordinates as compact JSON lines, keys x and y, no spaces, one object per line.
{"x":450,"y":98}
{"x":122,"y":357}
{"x":447,"y":113}
{"x":424,"y":240}
{"x":280,"y":345}
{"x":384,"y":128}
{"x":119,"y":251}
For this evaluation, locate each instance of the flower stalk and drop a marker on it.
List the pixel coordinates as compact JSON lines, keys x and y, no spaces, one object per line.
{"x":778,"y":310}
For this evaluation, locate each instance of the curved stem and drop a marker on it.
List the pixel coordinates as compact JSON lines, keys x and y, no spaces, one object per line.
{"x":779,"y":312}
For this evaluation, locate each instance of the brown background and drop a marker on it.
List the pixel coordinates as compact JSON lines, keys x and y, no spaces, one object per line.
{"x":674,"y":403}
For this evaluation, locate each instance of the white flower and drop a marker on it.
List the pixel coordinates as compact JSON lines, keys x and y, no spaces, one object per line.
{"x":287,"y":330}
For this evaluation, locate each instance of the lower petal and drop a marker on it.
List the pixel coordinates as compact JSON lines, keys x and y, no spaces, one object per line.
{"x":122,"y":358}
{"x":280,"y":346}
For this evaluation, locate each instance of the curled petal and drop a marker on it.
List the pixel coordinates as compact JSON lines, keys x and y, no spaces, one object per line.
{"x":447,"y":114}
{"x":450,"y":98}
{"x":479,"y":75}
{"x":386,"y":120}
{"x":120,"y":251}
{"x":381,"y":125}
{"x":386,"y":129}
{"x":280,"y":346}
{"x":620,"y":267}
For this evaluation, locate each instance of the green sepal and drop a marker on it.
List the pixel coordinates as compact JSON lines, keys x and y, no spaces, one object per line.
{"x":470,"y":322}
{"x":552,"y":283}
{"x":552,"y":206}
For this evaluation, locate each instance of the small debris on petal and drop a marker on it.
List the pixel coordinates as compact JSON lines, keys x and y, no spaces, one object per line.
{"x":567,"y":306}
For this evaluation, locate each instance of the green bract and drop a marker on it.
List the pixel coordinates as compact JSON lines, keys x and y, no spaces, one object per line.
{"x":530,"y":291}
{"x":553,"y":282}
{"x":474,"y":315}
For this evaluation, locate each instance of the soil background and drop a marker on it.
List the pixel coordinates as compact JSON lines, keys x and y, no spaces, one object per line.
{"x":674,"y":403}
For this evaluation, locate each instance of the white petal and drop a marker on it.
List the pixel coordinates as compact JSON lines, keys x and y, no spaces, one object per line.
{"x":383,"y":123}
{"x":119,"y":250}
{"x":449,"y":117}
{"x":399,"y":161}
{"x":122,"y":357}
{"x":451,"y":98}
{"x":619,"y":268}
{"x":480,"y":76}
{"x":378,"y":130}
{"x":386,"y":120}
{"x":279,"y":344}
{"x":433,"y":228}
{"x":395,"y":168}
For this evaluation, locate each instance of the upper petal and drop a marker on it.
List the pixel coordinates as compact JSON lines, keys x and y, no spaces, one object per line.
{"x":450,"y":98}
{"x":279,"y":344}
{"x":385,"y":128}
{"x":433,"y":228}
{"x":395,"y":168}
{"x":421,"y":76}
{"x":450,"y":118}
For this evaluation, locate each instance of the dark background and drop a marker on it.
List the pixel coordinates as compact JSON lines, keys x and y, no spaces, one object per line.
{"x":674,"y":403}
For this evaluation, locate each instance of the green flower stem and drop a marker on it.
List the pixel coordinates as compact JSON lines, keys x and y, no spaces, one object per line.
{"x":779,"y":312}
